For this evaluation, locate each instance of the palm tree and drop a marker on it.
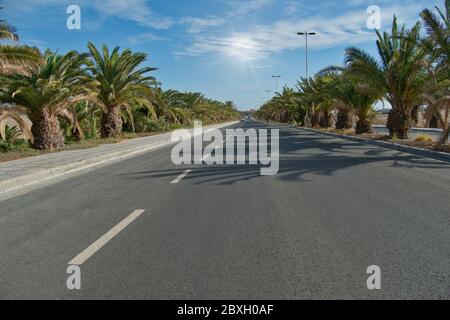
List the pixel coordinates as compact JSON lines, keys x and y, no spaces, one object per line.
{"x":285,"y":107}
{"x":437,"y":45}
{"x":316,"y":101}
{"x":351,"y":96}
{"x":438,"y":27}
{"x":123,"y":83}
{"x":289,"y":104}
{"x":15,"y":58}
{"x":191,"y":100}
{"x":307,"y":96}
{"x":400,"y":73}
{"x":338,"y":91}
{"x":60,"y":81}
{"x":167,"y":105}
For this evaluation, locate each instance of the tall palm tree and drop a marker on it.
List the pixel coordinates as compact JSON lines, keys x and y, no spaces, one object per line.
{"x":60,"y":81}
{"x":400,"y":73}
{"x":122,"y":84}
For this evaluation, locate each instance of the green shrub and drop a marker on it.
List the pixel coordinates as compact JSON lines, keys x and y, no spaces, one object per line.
{"x":140,"y":121}
{"x":12,"y":133}
{"x":5,"y":146}
{"x":159,"y":125}
{"x":175,"y":126}
{"x":12,"y":141}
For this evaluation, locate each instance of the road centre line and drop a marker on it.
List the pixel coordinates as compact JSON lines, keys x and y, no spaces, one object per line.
{"x":103,"y":240}
{"x":181,"y":176}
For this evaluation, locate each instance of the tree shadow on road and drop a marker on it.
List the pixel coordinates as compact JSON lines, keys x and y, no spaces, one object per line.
{"x":301,"y":154}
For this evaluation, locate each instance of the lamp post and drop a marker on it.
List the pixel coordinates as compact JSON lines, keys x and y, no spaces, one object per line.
{"x":276,"y":82}
{"x":306,"y":34}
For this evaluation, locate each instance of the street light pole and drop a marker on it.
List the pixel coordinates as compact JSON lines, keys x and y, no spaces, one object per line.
{"x":276,"y":82}
{"x":306,"y":34}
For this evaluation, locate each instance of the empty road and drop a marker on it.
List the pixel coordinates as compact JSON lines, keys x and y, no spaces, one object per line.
{"x":148,"y":229}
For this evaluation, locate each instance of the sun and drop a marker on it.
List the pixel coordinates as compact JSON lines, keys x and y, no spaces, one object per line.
{"x":242,"y":49}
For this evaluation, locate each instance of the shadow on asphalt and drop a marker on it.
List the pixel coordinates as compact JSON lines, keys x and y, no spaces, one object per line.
{"x":301,"y":153}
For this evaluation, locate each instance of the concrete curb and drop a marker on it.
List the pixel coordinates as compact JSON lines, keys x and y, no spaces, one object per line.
{"x":442,"y":156}
{"x":16,"y":186}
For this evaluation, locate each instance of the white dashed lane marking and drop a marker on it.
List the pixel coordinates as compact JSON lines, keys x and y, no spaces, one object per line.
{"x":181,"y":176}
{"x":97,"y":245}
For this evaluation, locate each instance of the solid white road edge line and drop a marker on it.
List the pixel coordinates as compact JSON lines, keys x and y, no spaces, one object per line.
{"x":97,"y":245}
{"x":181,"y":176}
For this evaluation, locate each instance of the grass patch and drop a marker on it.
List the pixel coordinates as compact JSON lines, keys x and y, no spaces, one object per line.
{"x":348,"y":132}
{"x":424,"y":138}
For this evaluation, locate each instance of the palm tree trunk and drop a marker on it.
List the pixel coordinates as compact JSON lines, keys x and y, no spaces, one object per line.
{"x":363,"y":126}
{"x":399,"y":123}
{"x":78,"y":134}
{"x":446,"y":133}
{"x":46,"y":131}
{"x":344,"y":120}
{"x":327,"y":119}
{"x":415,"y":115}
{"x":111,"y":123}
{"x":307,"y":119}
{"x":315,"y":120}
{"x":434,"y":122}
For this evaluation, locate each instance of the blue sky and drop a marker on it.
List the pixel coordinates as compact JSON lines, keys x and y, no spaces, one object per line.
{"x":227,"y":49}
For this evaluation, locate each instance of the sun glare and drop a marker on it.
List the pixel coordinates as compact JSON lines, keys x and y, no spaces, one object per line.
{"x":242,"y":49}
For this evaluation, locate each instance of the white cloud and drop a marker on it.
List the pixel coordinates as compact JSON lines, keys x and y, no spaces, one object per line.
{"x":261,"y":41}
{"x":291,"y":7}
{"x":133,"y":10}
{"x":196,"y":25}
{"x":244,"y":7}
{"x":143,"y":38}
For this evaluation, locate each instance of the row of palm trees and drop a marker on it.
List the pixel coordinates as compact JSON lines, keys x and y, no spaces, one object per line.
{"x":411,"y":73}
{"x":66,"y":95}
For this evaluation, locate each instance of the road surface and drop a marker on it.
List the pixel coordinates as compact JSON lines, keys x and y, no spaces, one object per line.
{"x":226,"y":232}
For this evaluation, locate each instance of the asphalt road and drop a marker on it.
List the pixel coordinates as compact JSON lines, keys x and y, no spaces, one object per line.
{"x":226,"y":232}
